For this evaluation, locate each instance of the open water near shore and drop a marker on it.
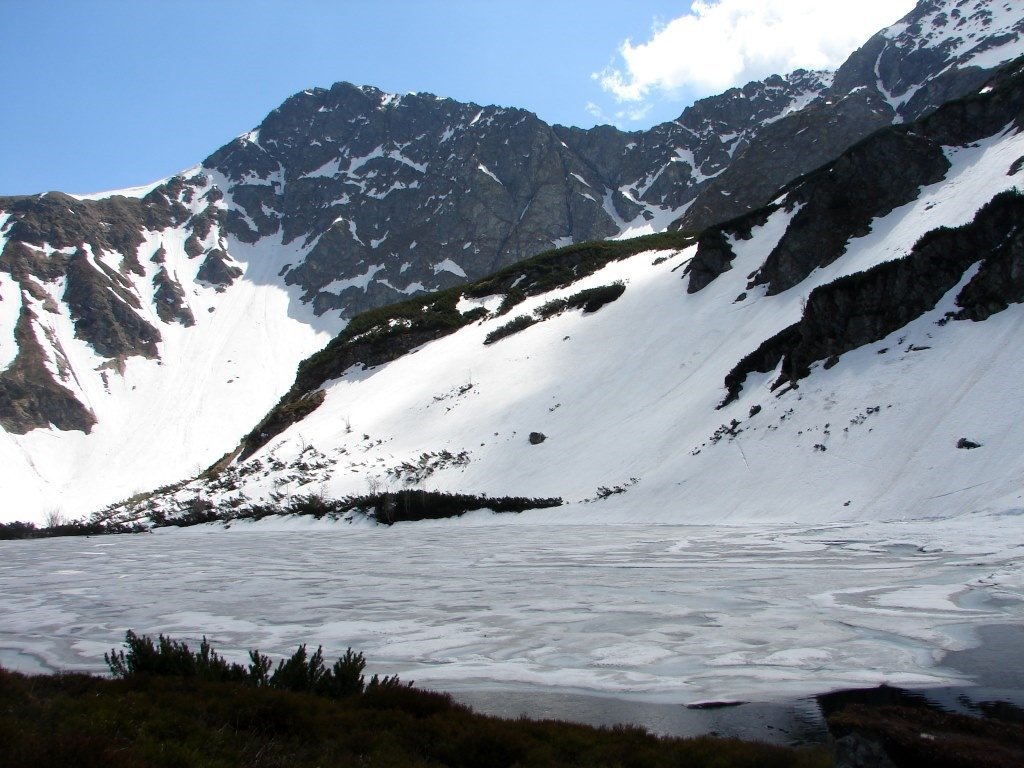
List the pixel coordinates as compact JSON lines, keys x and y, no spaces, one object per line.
{"x":996,"y":667}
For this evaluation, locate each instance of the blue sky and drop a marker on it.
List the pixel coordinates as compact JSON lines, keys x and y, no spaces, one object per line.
{"x":101,"y":94}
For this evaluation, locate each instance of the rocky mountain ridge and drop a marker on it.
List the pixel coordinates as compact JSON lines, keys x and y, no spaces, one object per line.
{"x":941,"y":50}
{"x":347,"y":198}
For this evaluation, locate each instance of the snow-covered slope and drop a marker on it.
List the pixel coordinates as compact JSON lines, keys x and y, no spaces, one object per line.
{"x":156,"y":368}
{"x":752,"y":376}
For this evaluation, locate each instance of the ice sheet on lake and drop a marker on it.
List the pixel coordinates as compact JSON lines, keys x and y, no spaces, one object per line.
{"x":657,"y":613}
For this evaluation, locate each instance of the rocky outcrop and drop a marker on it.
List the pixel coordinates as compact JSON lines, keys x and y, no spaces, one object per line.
{"x":425,"y":192}
{"x":668,"y":165}
{"x":104,"y":311}
{"x":714,"y":248}
{"x":55,"y":237}
{"x":30,"y":396}
{"x":169,"y":297}
{"x":839,"y":201}
{"x":867,"y":306}
{"x":838,"y":204}
{"x":217,"y":270}
{"x":783,"y":151}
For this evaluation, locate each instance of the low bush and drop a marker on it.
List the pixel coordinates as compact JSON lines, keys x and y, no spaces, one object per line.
{"x":170,"y":658}
{"x":592,"y":299}
{"x":22,"y":530}
{"x":515,"y":325}
{"x":302,"y":672}
{"x":386,"y":508}
{"x":551,"y":308}
{"x":315,"y":505}
{"x":589,"y":300}
{"x":410,"y":505}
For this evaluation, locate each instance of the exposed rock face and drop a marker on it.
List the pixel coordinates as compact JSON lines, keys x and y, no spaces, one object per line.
{"x":102,"y":305}
{"x":78,"y":261}
{"x":30,"y":395}
{"x":169,"y":297}
{"x":839,"y":201}
{"x":668,"y":165}
{"x":398,"y":194}
{"x":783,"y":151}
{"x":868,"y":181}
{"x":867,"y":306}
{"x":714,"y":252}
{"x":216,"y":269}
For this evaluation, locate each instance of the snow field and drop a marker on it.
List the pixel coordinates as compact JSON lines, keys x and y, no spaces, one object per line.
{"x":162,"y":420}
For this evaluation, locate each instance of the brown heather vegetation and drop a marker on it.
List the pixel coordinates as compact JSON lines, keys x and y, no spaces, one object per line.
{"x":165,"y":711}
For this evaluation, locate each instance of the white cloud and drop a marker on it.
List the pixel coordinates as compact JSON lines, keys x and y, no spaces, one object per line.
{"x":722,"y":43}
{"x":631,"y":113}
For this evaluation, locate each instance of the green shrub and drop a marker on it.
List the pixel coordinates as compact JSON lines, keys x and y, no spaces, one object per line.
{"x":476,"y":313}
{"x":301,"y":672}
{"x":551,"y":308}
{"x":171,"y":658}
{"x":589,"y":300}
{"x":315,"y":505}
{"x":592,"y":299}
{"x":515,"y":325}
{"x":410,"y":505}
{"x":21,"y":530}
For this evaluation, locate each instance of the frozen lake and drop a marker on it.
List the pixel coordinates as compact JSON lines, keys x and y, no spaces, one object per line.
{"x":654,"y":614}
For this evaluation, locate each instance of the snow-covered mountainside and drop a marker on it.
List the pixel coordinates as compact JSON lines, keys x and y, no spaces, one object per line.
{"x":143,"y":332}
{"x":846,"y":352}
{"x":134,"y":346}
